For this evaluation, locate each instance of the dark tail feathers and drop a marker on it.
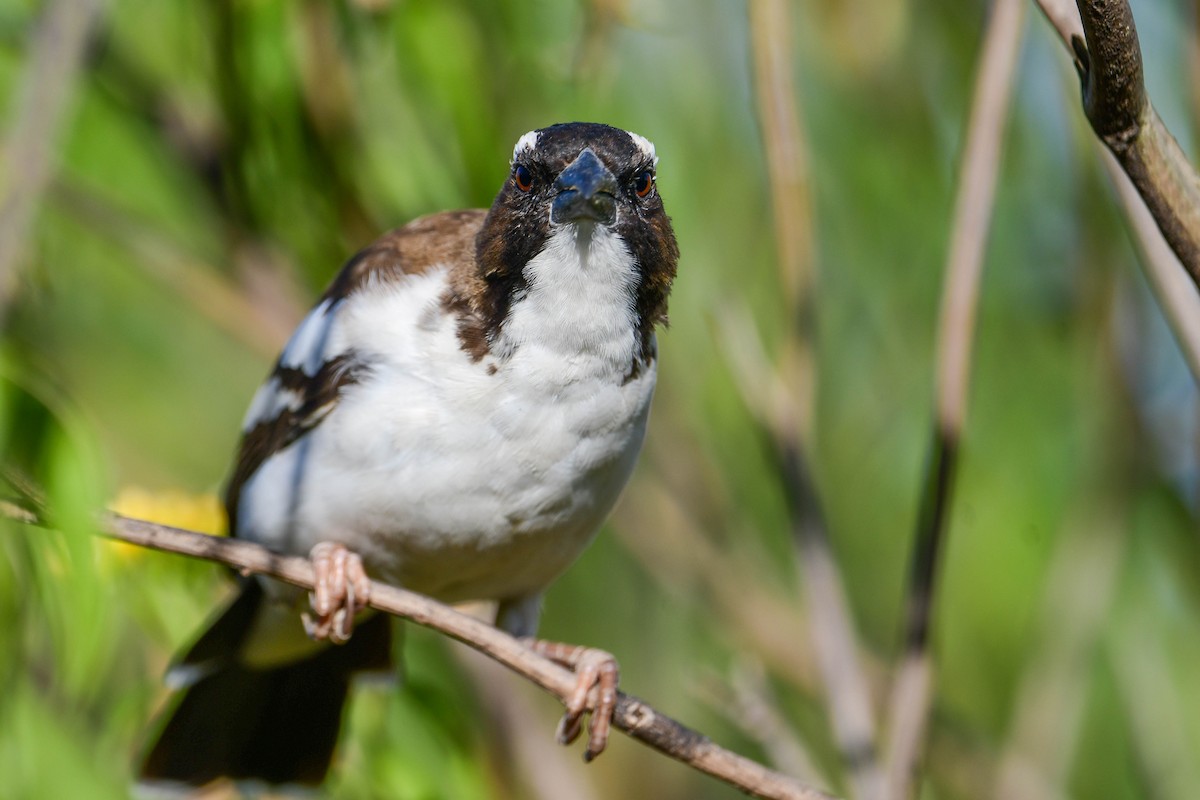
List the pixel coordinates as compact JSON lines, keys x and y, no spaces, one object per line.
{"x":279,"y":725}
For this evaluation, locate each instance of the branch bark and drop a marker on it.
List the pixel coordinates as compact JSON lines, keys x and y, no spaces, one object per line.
{"x":1109,"y":60}
{"x":1172,"y":283}
{"x":637,"y":719}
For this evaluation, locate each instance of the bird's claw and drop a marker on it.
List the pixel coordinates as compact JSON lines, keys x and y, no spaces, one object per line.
{"x":593,"y":669}
{"x":340,"y":591}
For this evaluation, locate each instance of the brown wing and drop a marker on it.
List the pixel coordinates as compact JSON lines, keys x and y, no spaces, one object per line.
{"x":307,"y":381}
{"x":307,"y":400}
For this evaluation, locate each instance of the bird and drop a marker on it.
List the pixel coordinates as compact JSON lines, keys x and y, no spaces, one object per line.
{"x":456,"y":415}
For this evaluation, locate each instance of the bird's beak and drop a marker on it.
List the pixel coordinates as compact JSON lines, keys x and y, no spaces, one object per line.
{"x":585,"y":190}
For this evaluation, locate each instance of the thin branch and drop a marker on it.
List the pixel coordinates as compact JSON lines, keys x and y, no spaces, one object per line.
{"x":1177,"y":296}
{"x":1120,"y":113}
{"x":976,"y":193}
{"x":835,"y":644}
{"x":1114,"y":92}
{"x":636,"y":718}
{"x":786,"y":150}
{"x":910,"y":701}
{"x":1063,"y":17}
{"x":834,"y":638}
{"x":1170,"y":282}
{"x":833,"y":634}
{"x":56,"y":52}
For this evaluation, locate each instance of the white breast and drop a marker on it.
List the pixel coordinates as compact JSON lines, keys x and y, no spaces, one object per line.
{"x":450,"y":477}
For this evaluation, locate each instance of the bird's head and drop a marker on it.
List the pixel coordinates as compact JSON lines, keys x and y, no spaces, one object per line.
{"x":591,"y":185}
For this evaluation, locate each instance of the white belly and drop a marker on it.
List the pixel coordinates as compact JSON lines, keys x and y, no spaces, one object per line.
{"x":447,"y":478}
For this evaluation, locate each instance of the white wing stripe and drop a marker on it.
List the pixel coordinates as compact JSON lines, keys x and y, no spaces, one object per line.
{"x":269,"y":402}
{"x":306,"y":349}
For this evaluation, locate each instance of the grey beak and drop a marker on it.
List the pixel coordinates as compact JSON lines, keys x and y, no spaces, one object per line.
{"x":585,"y":190}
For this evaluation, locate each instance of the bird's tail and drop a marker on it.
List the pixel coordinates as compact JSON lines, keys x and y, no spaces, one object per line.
{"x":277,"y":725}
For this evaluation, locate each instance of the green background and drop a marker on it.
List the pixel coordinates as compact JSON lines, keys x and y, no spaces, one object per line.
{"x":220,"y":160}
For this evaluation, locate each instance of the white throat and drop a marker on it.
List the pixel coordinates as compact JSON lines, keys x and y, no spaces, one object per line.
{"x":579,"y":302}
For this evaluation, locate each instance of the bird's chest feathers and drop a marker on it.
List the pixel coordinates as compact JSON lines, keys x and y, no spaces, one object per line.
{"x":533,"y":441}
{"x":576,"y":319}
{"x":563,"y":399}
{"x":559,"y":407}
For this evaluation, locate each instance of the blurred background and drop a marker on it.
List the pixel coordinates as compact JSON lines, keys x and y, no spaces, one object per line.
{"x":178,"y":181}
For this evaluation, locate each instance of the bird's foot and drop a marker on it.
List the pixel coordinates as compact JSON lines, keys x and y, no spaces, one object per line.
{"x":593,"y":668}
{"x":340,"y":591}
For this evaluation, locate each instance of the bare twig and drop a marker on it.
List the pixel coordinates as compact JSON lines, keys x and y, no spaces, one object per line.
{"x":786,"y":150}
{"x":1177,"y":296}
{"x":1063,"y":17}
{"x":835,"y":645}
{"x":1174,"y":290}
{"x":833,"y":633}
{"x":19,"y":513}
{"x":789,"y":425}
{"x":636,"y":718}
{"x":1120,"y":112}
{"x":56,"y":51}
{"x":909,"y":707}
{"x":973,"y":209}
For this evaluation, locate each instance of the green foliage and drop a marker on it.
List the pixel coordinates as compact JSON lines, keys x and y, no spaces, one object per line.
{"x":228,"y":152}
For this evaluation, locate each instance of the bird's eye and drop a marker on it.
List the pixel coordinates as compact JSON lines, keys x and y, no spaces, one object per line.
{"x":522,"y":177}
{"x":643,"y":183}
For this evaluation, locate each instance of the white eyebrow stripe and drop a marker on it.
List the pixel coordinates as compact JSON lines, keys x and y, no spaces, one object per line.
{"x":527,"y":141}
{"x":645,"y":145}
